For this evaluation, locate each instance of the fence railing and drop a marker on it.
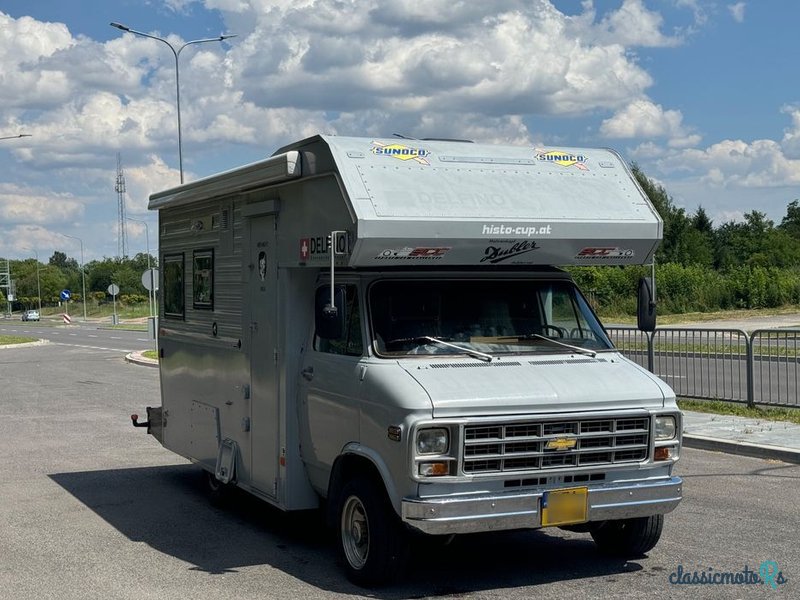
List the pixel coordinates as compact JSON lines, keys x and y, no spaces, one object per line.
{"x":721,"y":364}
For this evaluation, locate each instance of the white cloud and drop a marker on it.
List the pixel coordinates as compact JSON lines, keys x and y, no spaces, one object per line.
{"x":645,"y":119}
{"x":791,"y":136}
{"x":510,"y":57}
{"x":737,"y":11}
{"x":736,"y":163}
{"x":20,"y":205}
{"x":634,"y":25}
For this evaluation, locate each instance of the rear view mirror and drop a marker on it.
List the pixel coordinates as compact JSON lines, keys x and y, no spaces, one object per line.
{"x":329,"y":319}
{"x":646,"y":306}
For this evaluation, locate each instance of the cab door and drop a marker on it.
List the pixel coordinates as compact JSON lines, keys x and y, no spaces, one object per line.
{"x":329,"y":393}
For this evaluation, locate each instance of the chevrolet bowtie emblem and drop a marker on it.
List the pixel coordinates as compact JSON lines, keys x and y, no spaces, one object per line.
{"x":561,"y":444}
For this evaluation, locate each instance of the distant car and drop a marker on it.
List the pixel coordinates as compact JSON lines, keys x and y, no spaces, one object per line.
{"x":30,"y":315}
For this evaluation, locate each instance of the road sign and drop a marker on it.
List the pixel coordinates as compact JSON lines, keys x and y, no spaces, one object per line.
{"x":67,"y":319}
{"x":113,"y":289}
{"x":148,"y":277}
{"x":66,"y":294}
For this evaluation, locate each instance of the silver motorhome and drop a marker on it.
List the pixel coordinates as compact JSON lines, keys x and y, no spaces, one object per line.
{"x":379,"y":327}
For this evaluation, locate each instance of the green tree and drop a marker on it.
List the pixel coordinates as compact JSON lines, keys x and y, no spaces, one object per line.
{"x":791,"y":222}
{"x":673,"y":246}
{"x":126,"y":273}
{"x":60,"y":260}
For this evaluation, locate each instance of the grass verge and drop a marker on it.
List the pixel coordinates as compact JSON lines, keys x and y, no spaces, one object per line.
{"x":152,"y":354}
{"x":7,"y":340}
{"x":741,"y":410}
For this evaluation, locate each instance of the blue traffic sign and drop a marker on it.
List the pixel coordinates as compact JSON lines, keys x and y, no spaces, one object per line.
{"x":66,"y":294}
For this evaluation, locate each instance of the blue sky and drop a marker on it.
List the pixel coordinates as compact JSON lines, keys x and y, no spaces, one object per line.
{"x":701,"y":94}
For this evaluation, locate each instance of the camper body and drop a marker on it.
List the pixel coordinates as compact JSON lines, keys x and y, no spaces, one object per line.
{"x":451,"y":380}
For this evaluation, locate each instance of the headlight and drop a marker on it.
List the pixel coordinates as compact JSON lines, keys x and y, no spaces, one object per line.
{"x":665,"y":428}
{"x":432,"y":441}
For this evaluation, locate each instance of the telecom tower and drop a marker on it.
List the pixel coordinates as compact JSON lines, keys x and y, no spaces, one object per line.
{"x":6,"y":285}
{"x":122,"y":241}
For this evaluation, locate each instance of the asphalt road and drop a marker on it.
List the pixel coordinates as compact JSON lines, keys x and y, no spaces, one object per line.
{"x":79,"y":334}
{"x":91,"y":507}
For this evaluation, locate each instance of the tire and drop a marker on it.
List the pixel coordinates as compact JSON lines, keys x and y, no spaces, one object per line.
{"x":372,"y":543}
{"x":629,"y":538}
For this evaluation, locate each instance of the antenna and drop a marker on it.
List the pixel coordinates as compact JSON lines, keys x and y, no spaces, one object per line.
{"x":122,"y":242}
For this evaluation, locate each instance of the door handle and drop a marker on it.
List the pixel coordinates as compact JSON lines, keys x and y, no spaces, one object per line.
{"x":308,"y":373}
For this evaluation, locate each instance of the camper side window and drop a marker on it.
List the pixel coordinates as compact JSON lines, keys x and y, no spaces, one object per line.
{"x":174,"y":304}
{"x":350,"y":343}
{"x":203,"y":279}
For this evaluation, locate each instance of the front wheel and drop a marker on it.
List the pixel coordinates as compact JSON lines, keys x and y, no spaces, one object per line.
{"x":372,"y":541}
{"x":629,"y":538}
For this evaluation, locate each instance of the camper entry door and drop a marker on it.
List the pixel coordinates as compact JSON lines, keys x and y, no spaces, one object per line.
{"x":261,"y":302}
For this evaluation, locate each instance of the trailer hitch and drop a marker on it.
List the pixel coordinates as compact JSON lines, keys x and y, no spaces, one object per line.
{"x":155,"y":422}
{"x":135,"y":420}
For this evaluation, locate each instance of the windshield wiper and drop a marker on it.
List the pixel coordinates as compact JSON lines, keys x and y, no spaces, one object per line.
{"x":531,"y":336}
{"x":428,"y":338}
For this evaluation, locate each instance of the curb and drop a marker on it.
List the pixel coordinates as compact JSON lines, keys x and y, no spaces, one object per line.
{"x":781,"y":453}
{"x":25,"y":344}
{"x":138,"y":359}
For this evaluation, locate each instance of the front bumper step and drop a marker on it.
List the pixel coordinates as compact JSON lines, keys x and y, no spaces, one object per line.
{"x":522,"y":510}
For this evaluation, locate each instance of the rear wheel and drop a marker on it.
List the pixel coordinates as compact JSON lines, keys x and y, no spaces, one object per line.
{"x":372,"y":542}
{"x":629,"y":538}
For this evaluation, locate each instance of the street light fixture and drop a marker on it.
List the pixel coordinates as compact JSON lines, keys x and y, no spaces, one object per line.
{"x":151,"y":291}
{"x":14,"y":137}
{"x":83,"y":273}
{"x":176,"y":53}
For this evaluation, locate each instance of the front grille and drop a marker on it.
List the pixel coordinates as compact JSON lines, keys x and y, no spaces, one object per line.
{"x":514,"y":447}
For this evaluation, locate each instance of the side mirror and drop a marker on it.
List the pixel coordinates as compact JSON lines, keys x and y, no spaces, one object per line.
{"x":646,"y":306}
{"x":329,"y":320}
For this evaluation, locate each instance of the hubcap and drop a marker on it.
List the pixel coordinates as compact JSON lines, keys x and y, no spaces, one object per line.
{"x":355,"y":532}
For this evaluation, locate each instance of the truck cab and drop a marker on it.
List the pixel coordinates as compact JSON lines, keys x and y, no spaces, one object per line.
{"x":484,"y":402}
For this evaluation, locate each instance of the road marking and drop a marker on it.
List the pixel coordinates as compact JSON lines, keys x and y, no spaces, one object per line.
{"x":92,"y":347}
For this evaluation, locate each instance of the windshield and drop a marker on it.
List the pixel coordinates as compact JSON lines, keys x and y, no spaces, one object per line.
{"x":495,"y":317}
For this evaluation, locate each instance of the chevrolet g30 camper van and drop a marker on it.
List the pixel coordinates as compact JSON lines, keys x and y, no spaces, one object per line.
{"x":380,"y":327}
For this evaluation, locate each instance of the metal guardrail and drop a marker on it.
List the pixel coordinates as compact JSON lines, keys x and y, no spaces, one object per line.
{"x":719,"y":364}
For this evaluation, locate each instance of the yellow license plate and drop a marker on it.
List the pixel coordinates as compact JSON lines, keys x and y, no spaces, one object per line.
{"x":564,"y":507}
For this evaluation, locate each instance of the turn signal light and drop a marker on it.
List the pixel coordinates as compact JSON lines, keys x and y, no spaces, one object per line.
{"x":662,"y":454}
{"x":434,"y":469}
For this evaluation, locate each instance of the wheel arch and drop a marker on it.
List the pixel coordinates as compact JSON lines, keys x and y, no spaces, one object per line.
{"x":356,"y":460}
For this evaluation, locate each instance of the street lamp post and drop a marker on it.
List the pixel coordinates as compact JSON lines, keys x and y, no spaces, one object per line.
{"x":38,"y":285}
{"x":83,"y":273}
{"x":151,"y":291}
{"x":175,"y":53}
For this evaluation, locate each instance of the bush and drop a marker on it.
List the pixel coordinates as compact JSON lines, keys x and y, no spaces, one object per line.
{"x":133,"y":299}
{"x":690,"y":288}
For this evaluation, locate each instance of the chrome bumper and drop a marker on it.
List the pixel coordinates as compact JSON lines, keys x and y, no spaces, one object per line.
{"x":519,"y":510}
